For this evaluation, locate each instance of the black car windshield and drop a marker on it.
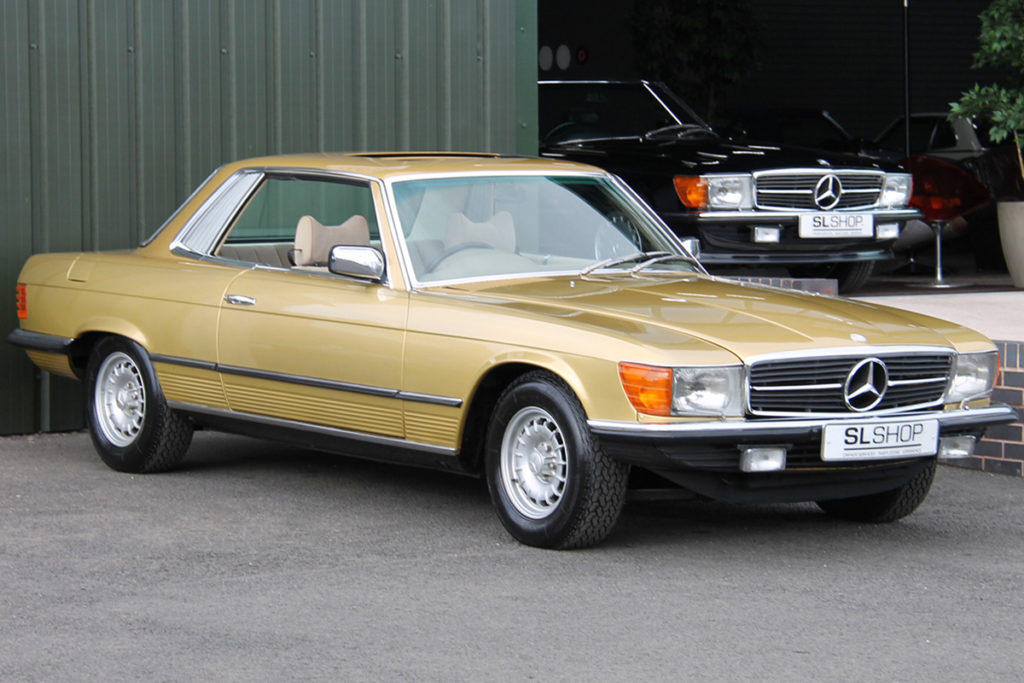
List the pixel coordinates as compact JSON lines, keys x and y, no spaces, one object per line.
{"x":586,"y":110}
{"x":469,"y":227}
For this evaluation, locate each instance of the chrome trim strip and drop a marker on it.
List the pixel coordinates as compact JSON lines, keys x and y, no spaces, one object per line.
{"x":411,"y":396}
{"x":865,"y":350}
{"x":967,"y":417}
{"x":307,"y":381}
{"x":428,"y":398}
{"x":187,"y":362}
{"x":881,"y":215}
{"x":38,"y":341}
{"x":319,"y":429}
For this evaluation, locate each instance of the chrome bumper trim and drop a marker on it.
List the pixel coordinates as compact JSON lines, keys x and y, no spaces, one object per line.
{"x":768,"y":429}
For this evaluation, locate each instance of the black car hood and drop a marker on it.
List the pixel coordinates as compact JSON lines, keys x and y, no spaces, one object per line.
{"x":702,"y":153}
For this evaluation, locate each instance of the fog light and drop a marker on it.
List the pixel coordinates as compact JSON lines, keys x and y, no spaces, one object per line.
{"x":766,"y":235}
{"x":887,"y":231}
{"x":761,"y":459}
{"x":956,"y":447}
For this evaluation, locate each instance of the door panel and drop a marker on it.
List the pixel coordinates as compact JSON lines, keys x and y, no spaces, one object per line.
{"x":314,"y":348}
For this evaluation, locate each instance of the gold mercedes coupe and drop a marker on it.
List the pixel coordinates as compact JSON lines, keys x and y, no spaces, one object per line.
{"x":529,"y":321}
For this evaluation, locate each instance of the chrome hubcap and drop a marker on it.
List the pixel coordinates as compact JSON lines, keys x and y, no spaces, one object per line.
{"x":534,"y":462}
{"x":120,"y":399}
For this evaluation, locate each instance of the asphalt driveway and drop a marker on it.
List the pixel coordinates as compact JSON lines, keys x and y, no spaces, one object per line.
{"x":260,"y":562}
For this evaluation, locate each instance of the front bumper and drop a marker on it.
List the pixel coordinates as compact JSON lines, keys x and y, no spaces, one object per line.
{"x":705,"y":456}
{"x":726,"y":238}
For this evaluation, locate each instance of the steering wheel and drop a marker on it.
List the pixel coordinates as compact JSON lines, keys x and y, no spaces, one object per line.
{"x":455,"y":249}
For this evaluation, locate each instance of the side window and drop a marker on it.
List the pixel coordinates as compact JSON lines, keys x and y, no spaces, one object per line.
{"x":944,"y":137}
{"x":295,"y":221}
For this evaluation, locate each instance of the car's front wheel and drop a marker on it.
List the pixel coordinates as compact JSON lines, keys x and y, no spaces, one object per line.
{"x":887,"y":506}
{"x":131,"y":426}
{"x":550,"y":482}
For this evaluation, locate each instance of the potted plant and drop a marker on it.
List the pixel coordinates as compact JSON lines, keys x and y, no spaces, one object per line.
{"x":1001,"y":48}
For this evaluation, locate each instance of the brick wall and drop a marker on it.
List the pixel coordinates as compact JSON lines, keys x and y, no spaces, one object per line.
{"x":1002,"y":449}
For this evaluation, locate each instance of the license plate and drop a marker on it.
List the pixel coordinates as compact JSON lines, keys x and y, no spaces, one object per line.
{"x":825,"y":224}
{"x":880,"y":440}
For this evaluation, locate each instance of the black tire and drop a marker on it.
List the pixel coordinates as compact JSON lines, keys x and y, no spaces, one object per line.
{"x":887,"y":506}
{"x":850,"y":276}
{"x":131,"y":426}
{"x":551,"y":484}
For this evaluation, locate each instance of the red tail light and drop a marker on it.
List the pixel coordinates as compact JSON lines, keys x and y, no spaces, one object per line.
{"x":21,"y":297}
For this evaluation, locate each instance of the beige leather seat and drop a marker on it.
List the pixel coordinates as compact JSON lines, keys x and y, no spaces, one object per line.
{"x":314,"y":240}
{"x":498,"y":231}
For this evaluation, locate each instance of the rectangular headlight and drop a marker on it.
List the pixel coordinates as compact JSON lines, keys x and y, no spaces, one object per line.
{"x":974,"y":375}
{"x":699,"y":390}
{"x":716,"y":390}
{"x":730,"y":192}
{"x":896,"y":190}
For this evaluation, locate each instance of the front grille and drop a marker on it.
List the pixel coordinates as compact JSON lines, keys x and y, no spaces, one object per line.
{"x":802,"y":386}
{"x":795,"y":189}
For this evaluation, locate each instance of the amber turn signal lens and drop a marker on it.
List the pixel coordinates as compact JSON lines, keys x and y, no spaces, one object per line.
{"x":692,"y":191}
{"x":648,"y":387}
{"x":21,"y":297}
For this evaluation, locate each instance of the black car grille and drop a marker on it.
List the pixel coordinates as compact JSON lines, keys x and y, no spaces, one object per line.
{"x":817,"y":385}
{"x":796,"y":190}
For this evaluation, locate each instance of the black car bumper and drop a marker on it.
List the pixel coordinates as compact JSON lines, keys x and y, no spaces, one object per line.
{"x":728,"y":238}
{"x":705,"y":457}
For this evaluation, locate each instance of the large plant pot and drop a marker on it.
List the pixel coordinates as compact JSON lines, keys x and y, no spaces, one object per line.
{"x":1011,"y":234}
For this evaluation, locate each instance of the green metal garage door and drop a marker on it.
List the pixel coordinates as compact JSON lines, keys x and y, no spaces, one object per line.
{"x":114,"y":111}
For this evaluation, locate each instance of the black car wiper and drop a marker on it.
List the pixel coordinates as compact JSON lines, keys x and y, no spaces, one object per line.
{"x":678,"y":130}
{"x":616,"y":260}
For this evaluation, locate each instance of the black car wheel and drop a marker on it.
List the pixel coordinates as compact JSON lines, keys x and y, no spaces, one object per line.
{"x":887,"y":506}
{"x":129,"y":421}
{"x":851,"y":276}
{"x":550,"y":482}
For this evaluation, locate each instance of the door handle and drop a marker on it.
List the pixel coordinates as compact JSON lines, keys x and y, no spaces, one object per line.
{"x":239,"y":300}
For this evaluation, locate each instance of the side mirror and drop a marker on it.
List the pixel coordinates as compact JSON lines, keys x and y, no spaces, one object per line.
{"x":364,"y":263}
{"x":692,"y":245}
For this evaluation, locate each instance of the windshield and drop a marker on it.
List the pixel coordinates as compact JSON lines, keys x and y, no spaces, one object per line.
{"x":588,"y":111}
{"x":509,"y":226}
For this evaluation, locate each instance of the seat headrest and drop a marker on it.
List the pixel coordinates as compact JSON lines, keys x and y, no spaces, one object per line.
{"x":313,"y":239}
{"x":498,"y":231}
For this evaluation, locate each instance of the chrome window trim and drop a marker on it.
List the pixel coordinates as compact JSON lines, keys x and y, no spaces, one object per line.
{"x":203,"y":230}
{"x":180,"y":208}
{"x":182,"y":246}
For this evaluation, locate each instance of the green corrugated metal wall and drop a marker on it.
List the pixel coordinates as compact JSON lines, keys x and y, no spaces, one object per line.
{"x":114,"y":110}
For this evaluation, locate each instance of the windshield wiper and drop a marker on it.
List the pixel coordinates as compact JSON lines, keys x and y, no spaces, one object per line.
{"x":679,"y":130}
{"x":660,"y":257}
{"x":616,"y":260}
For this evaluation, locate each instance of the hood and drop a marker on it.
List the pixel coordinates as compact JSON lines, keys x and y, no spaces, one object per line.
{"x":747,"y":320}
{"x":705,"y":153}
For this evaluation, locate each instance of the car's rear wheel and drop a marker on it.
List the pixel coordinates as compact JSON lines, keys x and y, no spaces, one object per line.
{"x":131,"y":426}
{"x":551,"y":484}
{"x":887,"y":506}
